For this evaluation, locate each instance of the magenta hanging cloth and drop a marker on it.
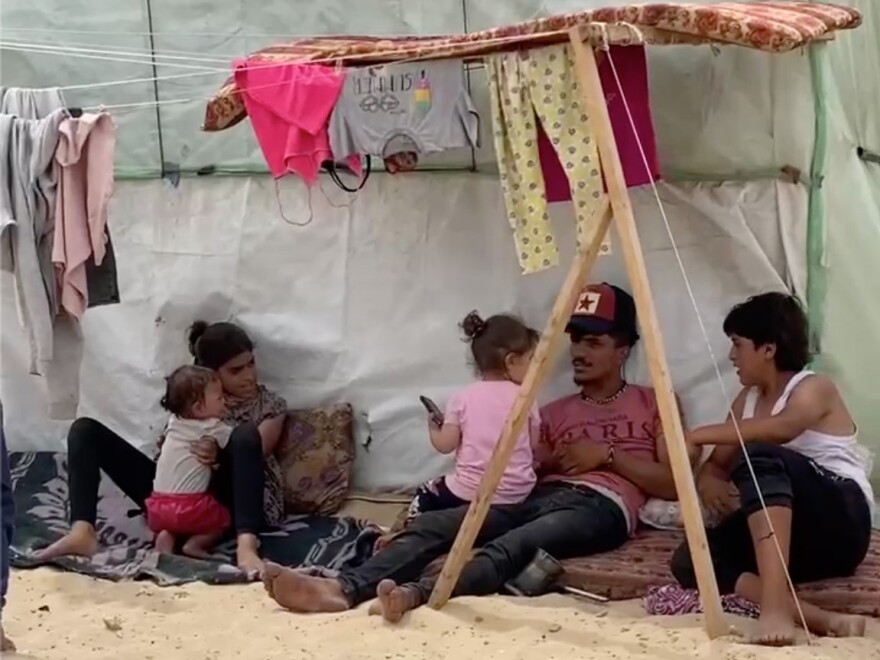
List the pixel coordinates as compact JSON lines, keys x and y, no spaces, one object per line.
{"x":632,"y":69}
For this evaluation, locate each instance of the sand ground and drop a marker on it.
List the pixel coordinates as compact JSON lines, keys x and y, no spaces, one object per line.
{"x":60,"y":615}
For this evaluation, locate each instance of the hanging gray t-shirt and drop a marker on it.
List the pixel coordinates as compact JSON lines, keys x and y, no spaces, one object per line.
{"x":420,"y":106}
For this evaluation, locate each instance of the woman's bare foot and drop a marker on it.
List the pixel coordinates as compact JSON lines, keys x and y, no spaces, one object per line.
{"x":774,"y":628}
{"x":247,"y":554}
{"x":165,"y":542}
{"x":302,"y":593}
{"x":6,"y":644}
{"x":394,"y":601}
{"x":81,"y":541}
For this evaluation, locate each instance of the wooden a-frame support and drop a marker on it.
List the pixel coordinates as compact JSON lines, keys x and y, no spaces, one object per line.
{"x":593,"y":97}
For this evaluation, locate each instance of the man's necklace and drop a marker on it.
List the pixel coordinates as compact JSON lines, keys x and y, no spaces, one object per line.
{"x":606,"y":400}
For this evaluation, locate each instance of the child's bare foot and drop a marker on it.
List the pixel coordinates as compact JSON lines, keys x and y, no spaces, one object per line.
{"x":81,"y":541}
{"x":394,"y":601}
{"x":774,"y":628}
{"x":302,"y":593}
{"x":165,"y":542}
{"x":246,"y":553}
{"x":199,"y":546}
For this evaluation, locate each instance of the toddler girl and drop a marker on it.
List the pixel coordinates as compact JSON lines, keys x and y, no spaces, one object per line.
{"x":181,"y":504}
{"x":475,"y":416}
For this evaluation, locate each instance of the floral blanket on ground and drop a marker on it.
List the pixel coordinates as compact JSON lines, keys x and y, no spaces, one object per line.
{"x":39,"y":482}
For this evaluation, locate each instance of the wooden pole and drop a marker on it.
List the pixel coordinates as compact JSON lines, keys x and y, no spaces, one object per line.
{"x":553,"y":331}
{"x":587,"y":72}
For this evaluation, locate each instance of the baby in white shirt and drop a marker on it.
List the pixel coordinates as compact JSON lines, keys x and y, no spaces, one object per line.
{"x":181,"y":505}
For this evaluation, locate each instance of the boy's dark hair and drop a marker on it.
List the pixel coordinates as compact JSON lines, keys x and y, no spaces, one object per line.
{"x":495,"y":338}
{"x":774,"y":318}
{"x":185,"y":387}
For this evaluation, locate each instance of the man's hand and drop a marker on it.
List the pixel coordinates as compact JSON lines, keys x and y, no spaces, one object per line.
{"x":580,"y":457}
{"x":719,"y":496}
{"x":205,"y":450}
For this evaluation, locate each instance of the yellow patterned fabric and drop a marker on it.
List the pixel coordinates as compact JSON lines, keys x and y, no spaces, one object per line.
{"x":540,"y":84}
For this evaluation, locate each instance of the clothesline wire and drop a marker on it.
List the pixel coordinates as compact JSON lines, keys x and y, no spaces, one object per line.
{"x":146,"y":51}
{"x":192,"y":56}
{"x":159,"y":33}
{"x":247,"y":35}
{"x":424,"y":52}
{"x":708,"y":342}
{"x":145,"y":62}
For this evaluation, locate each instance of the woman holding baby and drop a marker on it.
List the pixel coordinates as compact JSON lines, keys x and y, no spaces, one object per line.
{"x":245,"y":478}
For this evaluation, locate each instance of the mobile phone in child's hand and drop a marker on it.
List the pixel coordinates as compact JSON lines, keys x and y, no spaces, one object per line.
{"x":434,"y":412}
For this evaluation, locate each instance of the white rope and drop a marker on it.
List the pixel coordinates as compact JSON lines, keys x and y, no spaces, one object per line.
{"x":111,"y":50}
{"x":69,"y":53}
{"x":118,"y":33}
{"x":146,"y":51}
{"x":708,"y":342}
{"x":131,"y":81}
{"x":427,"y":51}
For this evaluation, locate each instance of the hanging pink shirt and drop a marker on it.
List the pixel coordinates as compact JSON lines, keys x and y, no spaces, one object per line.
{"x":481,"y":411}
{"x":289,"y":106}
{"x":85,"y":158}
{"x":632,"y":69}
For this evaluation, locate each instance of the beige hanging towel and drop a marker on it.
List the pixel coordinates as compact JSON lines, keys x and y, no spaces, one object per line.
{"x":541,"y":84}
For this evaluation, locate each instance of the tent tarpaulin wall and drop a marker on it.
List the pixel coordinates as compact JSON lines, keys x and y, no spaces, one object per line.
{"x":340,"y":326}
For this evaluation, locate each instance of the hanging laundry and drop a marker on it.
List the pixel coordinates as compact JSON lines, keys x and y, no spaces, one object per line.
{"x":541,"y":83}
{"x":414,"y":108}
{"x":37,"y":104}
{"x":102,"y":281}
{"x":630,"y":63}
{"x":289,"y":106}
{"x":27,"y":196}
{"x":30,"y":103}
{"x":84,"y":154}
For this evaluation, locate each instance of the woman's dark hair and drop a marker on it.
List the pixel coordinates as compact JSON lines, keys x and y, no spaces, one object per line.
{"x":495,"y":338}
{"x":773,"y":318}
{"x":213,"y":345}
{"x":185,"y":387}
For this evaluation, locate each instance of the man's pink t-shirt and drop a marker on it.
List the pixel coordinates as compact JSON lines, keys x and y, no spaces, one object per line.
{"x":631,"y":424}
{"x":481,"y":410}
{"x":289,"y":106}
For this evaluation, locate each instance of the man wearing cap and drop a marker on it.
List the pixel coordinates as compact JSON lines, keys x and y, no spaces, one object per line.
{"x":601,"y":454}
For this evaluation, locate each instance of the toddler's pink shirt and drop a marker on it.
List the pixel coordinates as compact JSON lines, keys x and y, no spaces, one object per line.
{"x":481,"y":410}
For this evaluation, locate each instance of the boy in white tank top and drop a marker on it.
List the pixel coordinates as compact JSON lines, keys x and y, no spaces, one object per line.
{"x":813,"y":475}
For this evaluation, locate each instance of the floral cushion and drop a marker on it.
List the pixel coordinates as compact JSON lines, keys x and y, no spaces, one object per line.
{"x":316,"y":454}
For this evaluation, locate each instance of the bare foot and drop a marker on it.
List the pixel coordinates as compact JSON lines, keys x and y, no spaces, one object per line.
{"x":165,"y":542}
{"x":81,"y":541}
{"x":200,"y":545}
{"x":6,"y":644}
{"x":846,"y":625}
{"x":246,"y":554}
{"x":773,"y":629}
{"x":394,"y":601}
{"x":302,"y":593}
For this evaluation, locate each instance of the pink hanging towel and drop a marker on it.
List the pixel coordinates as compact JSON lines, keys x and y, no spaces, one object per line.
{"x":632,"y":69}
{"x":85,"y":182}
{"x":289,"y":106}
